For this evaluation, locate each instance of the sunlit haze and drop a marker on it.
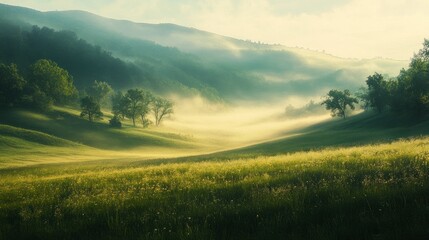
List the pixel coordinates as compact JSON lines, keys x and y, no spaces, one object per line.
{"x":346,"y":28}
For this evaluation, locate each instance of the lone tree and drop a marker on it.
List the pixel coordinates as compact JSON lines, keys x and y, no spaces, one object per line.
{"x":337,"y":101}
{"x":161,"y":108}
{"x":90,"y":108}
{"x":53,"y":80}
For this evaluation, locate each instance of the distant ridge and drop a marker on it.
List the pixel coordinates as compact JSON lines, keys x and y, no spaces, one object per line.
{"x":189,"y":62}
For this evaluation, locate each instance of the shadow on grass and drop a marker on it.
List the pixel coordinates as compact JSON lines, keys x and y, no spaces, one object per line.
{"x":95,"y":134}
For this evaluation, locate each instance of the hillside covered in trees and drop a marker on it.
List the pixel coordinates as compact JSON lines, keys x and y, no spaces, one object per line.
{"x":406,"y":95}
{"x":171,"y":59}
{"x":86,"y":62}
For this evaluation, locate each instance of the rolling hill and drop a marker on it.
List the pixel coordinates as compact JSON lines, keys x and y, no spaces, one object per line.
{"x":373,"y":191}
{"x":177,"y":60}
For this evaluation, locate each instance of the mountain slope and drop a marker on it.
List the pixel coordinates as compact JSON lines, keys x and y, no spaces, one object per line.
{"x":217,"y":67}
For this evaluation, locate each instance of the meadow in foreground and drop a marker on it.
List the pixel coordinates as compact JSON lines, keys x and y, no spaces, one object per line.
{"x":368,"y":192}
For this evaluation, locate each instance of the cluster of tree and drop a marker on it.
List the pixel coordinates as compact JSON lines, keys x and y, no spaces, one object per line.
{"x":137,"y":104}
{"x":26,"y":44}
{"x":45,"y":84}
{"x":408,"y":93}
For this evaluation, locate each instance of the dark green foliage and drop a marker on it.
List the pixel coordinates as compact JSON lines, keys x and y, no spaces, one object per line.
{"x":37,"y":99}
{"x":135,"y":103}
{"x":120,"y":105}
{"x":378,"y":92}
{"x":338,"y":101}
{"x":11,"y":85}
{"x":90,"y":108}
{"x":144,"y":109}
{"x":408,"y":93}
{"x":24,"y":45}
{"x":362,"y":94}
{"x":115,"y":122}
{"x":53,"y":80}
{"x":47,"y":84}
{"x":190,"y":66}
{"x":161,"y":108}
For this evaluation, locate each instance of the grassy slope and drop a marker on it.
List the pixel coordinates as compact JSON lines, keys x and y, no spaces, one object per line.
{"x":364,"y":128}
{"x":368,"y":192}
{"x":22,"y":147}
{"x":28,"y":137}
{"x":65,"y":123}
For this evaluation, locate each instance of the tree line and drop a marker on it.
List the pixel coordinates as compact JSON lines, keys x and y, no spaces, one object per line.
{"x":47,"y":84}
{"x":407,"y":93}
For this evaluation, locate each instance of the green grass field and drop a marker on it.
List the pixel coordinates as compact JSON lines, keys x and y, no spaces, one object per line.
{"x":337,"y":180}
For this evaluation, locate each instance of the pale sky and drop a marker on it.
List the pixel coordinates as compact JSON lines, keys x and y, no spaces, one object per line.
{"x":346,"y":28}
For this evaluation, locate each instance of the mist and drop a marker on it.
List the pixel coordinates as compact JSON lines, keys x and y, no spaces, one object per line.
{"x":237,"y":125}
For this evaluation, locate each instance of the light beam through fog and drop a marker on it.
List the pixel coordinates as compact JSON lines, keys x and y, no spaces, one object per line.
{"x":235,"y":126}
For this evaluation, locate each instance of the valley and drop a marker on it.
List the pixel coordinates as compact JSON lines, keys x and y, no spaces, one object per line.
{"x":114,"y":129}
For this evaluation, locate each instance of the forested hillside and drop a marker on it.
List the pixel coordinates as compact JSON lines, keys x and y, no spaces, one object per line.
{"x":86,"y":62}
{"x":171,"y":59}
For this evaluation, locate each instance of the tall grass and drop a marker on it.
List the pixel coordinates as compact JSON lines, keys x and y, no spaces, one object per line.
{"x":369,"y":192}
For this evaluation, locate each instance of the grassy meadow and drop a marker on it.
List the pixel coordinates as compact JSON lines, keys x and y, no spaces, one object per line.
{"x":335,"y":180}
{"x":368,"y":192}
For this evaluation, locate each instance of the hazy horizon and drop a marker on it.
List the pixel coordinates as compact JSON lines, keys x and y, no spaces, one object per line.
{"x":349,"y":28}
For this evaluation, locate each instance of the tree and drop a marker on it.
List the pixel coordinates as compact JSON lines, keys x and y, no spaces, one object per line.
{"x":37,"y":98}
{"x":378,"y":93}
{"x":145,"y":108}
{"x":362,"y":94}
{"x":337,"y":101}
{"x":11,"y":85}
{"x":99,"y":91}
{"x":161,"y":108}
{"x":90,"y":108}
{"x":53,"y":80}
{"x":135,"y":103}
{"x":417,"y":77}
{"x":120,"y":105}
{"x":135,"y":98}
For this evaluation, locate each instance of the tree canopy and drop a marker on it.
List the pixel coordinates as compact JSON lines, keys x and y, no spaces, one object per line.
{"x":133,"y":104}
{"x":161,"y":108}
{"x":11,"y":85}
{"x":53,"y":80}
{"x":337,"y":101}
{"x":99,"y":91}
{"x":378,"y":93}
{"x":90,"y":108}
{"x":408,"y":93}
